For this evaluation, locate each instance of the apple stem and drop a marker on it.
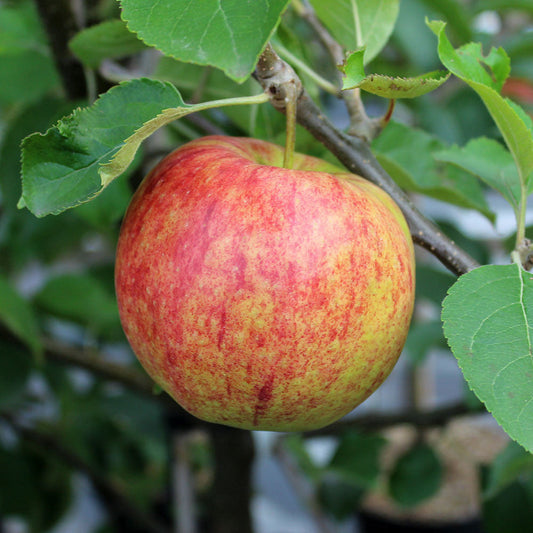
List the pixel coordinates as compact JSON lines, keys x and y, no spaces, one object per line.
{"x":290,"y":138}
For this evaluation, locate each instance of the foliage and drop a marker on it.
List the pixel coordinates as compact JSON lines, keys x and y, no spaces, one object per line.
{"x":461,"y":134}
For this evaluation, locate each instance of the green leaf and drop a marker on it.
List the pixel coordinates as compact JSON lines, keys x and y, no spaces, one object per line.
{"x":489,"y":161}
{"x":60,"y":169}
{"x":77,"y":158}
{"x":488,"y":317}
{"x":82,"y":299}
{"x":387,"y":86}
{"x":420,"y":173}
{"x":416,"y":476}
{"x":356,"y":24}
{"x":486,"y":75}
{"x":107,"y":40}
{"x":357,"y":458}
{"x":17,"y":315}
{"x":513,"y":463}
{"x":229,"y":35}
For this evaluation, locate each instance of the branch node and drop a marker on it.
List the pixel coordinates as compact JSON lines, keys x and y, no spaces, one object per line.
{"x":277,"y":78}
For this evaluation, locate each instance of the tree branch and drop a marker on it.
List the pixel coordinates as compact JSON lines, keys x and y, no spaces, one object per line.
{"x":133,"y":380}
{"x":379,"y":421}
{"x":355,"y":153}
{"x":361,"y":124}
{"x":233,"y":454}
{"x":60,"y":25}
{"x":117,"y":503}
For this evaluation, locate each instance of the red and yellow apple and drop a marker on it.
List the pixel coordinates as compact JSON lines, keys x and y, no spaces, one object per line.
{"x":261,"y":297}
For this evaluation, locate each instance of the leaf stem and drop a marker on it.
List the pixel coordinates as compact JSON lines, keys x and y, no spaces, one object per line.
{"x":290,"y":138}
{"x":260,"y":98}
{"x":521,"y":215}
{"x":385,"y":119}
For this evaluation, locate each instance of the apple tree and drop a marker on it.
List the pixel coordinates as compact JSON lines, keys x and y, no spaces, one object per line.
{"x":431,"y":101}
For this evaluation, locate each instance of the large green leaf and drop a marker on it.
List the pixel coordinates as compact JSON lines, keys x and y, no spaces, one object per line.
{"x":420,"y":172}
{"x":486,"y":75}
{"x":357,"y":23}
{"x":77,"y":158}
{"x":229,"y":35}
{"x":60,"y":169}
{"x":488,"y":318}
{"x":489,"y":161}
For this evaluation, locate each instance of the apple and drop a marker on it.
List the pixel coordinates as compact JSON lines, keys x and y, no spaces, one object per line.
{"x":260,"y":297}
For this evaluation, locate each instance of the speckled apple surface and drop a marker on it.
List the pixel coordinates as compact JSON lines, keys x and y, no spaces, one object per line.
{"x":261,"y":297}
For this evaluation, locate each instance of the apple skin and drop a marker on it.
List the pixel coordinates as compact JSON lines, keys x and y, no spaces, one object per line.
{"x":260,"y":297}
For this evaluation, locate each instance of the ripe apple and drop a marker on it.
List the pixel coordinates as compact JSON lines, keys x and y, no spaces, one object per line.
{"x":261,"y":297}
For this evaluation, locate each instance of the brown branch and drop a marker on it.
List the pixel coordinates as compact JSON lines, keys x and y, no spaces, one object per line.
{"x":233,"y":454}
{"x":361,"y":124}
{"x":355,"y":153}
{"x":133,"y":380}
{"x":60,"y":25}
{"x":117,"y":503}
{"x":378,"y":421}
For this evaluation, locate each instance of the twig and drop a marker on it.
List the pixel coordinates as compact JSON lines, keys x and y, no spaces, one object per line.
{"x":131,"y":379}
{"x":378,"y":421}
{"x":356,"y":155}
{"x":72,"y":355}
{"x":334,"y":49}
{"x":111,"y":496}
{"x":361,"y":124}
{"x":60,"y":25}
